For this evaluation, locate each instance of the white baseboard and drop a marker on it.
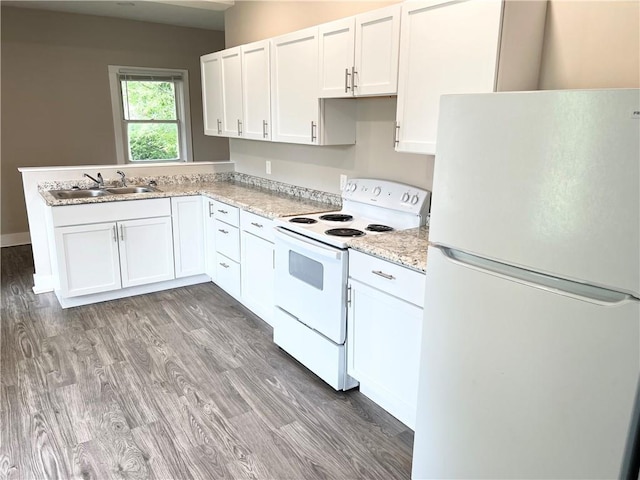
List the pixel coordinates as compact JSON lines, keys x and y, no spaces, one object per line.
{"x":42,"y":283}
{"x":13,"y":239}
{"x":129,"y":292}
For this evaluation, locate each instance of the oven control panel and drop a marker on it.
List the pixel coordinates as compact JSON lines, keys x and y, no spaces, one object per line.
{"x":387,"y":194}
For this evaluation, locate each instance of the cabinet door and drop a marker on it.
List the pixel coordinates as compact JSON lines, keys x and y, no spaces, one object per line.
{"x":336,"y":47}
{"x":231,"y":68}
{"x":257,"y":267}
{"x":376,"y":52}
{"x":188,"y":235}
{"x":209,"y":237}
{"x":294,"y":87}
{"x":445,"y":48}
{"x":146,"y":251}
{"x":384,"y":338}
{"x":88,"y":260}
{"x":211,"y":93}
{"x":256,"y":91}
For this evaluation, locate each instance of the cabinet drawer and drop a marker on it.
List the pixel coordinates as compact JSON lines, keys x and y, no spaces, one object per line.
{"x":398,"y":281}
{"x":260,"y":226}
{"x":228,"y":275}
{"x":110,"y":211}
{"x":227,"y":240}
{"x":226,"y":213}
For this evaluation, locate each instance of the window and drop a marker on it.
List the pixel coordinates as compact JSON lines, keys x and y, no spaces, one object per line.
{"x":150,"y":114}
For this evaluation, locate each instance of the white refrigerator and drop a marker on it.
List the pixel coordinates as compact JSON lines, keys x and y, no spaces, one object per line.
{"x":531,"y":338}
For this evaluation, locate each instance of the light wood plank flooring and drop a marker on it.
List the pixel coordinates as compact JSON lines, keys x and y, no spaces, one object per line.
{"x":184,"y":384}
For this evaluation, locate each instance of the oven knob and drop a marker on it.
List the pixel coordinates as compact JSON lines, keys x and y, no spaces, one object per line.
{"x":377,"y":191}
{"x":414,"y":199}
{"x":354,"y":187}
{"x":405,"y":197}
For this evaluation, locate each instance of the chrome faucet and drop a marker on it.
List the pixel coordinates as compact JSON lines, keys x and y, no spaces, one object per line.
{"x":123,"y":180}
{"x":99,"y":181}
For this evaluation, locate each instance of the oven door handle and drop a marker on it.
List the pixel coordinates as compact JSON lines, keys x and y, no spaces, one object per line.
{"x":311,"y":245}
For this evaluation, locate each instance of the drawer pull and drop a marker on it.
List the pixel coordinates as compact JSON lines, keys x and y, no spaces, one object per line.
{"x":223,"y":231}
{"x":224,"y":212}
{"x":256,"y":224}
{"x":224,"y":265}
{"x":380,"y":273}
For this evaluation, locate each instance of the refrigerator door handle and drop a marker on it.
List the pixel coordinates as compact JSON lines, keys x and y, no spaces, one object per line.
{"x":577,"y":290}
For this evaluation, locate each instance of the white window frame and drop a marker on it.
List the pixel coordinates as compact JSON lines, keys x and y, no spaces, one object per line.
{"x":182,"y":107}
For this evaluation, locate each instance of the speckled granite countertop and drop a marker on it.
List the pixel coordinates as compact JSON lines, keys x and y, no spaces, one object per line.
{"x":404,"y":247}
{"x":267,"y":202}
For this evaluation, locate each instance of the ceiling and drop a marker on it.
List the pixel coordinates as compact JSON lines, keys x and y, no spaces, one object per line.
{"x":207,"y":14}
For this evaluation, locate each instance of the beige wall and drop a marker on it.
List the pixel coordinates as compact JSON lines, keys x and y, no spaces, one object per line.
{"x":56,"y":107}
{"x":588,"y":44}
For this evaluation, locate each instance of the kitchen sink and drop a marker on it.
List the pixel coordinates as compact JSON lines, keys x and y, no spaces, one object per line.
{"x":100,"y":192}
{"x":131,"y":189}
{"x":66,"y":194}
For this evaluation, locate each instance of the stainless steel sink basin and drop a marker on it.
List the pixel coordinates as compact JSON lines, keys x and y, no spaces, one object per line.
{"x":66,"y":194}
{"x":131,"y":189}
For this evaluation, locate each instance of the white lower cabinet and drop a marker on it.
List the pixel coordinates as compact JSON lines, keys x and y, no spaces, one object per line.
{"x":257,"y":264}
{"x":188,"y":236}
{"x":100,"y":257}
{"x":384,"y":328}
{"x":228,"y":275}
{"x":146,"y":251}
{"x":88,"y":259}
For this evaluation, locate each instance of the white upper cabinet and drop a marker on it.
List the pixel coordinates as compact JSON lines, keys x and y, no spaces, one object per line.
{"x":359,"y":55}
{"x":472,"y":46}
{"x":231,"y":67}
{"x":297,"y":114}
{"x":294,"y":68}
{"x":211,"y":93}
{"x":256,"y":91}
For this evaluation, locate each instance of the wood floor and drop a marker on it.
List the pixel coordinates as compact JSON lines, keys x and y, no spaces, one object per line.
{"x":184,"y":384}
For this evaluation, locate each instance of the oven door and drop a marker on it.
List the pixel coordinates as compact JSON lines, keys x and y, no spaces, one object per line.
{"x":310,"y":283}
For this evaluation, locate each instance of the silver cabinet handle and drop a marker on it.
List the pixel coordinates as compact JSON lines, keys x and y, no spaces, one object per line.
{"x":256,"y":224}
{"x":219,"y":127}
{"x":396,"y":135}
{"x":224,"y":212}
{"x":121,"y":233}
{"x":313,"y":131}
{"x":239,"y":128}
{"x":346,"y":80}
{"x":353,"y":78}
{"x":115,"y":233}
{"x":210,"y":209}
{"x":224,"y":265}
{"x":383,"y":275}
{"x":223,"y":231}
{"x":265,"y":132}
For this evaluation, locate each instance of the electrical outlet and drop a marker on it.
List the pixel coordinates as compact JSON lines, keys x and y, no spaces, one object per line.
{"x":343,"y":181}
{"x":268,"y":167}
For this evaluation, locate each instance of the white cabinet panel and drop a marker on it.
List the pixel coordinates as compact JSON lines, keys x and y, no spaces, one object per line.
{"x":294,"y":87}
{"x":257,"y":270}
{"x":188,"y":236}
{"x":231,"y":67}
{"x":146,"y":251}
{"x":383,"y":354}
{"x":227,"y":240}
{"x":256,"y":91}
{"x":461,"y":47}
{"x":211,"y":73}
{"x":376,"y":52}
{"x":88,"y":259}
{"x":226,"y":213}
{"x":228,"y":275}
{"x":209,"y":237}
{"x":336,"y":53}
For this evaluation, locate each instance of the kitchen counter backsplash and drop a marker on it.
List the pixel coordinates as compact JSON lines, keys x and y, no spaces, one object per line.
{"x":404,"y":247}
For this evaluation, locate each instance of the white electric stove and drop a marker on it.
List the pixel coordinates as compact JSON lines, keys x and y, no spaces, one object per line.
{"x":311,"y":270}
